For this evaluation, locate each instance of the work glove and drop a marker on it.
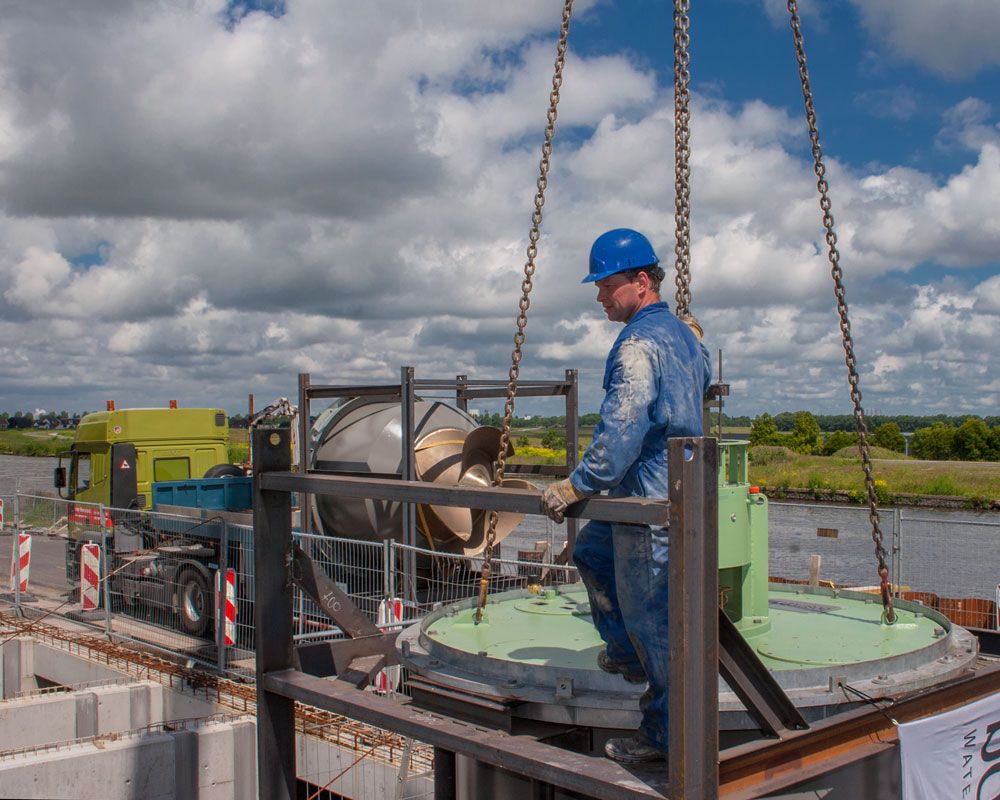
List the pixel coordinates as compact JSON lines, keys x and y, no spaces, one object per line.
{"x":694,"y":325}
{"x":558,"y":496}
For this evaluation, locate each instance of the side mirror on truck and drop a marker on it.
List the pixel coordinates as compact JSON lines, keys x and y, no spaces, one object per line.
{"x":59,"y":477}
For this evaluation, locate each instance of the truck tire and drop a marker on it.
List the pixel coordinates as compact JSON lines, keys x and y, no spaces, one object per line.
{"x":225,"y":471}
{"x":194,"y":602}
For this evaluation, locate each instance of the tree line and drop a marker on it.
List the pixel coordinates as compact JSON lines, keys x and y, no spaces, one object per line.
{"x":973,"y":439}
{"x":937,"y":437}
{"x":784,"y":421}
{"x":51,"y":420}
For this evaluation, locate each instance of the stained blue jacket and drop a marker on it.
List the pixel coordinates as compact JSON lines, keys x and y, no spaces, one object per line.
{"x":655,"y":378}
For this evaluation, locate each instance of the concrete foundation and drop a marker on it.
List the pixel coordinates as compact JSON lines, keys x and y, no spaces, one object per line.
{"x":71,"y":727}
{"x":209,"y":761}
{"x":104,"y":734}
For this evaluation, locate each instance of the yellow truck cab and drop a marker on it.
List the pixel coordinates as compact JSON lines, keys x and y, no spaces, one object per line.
{"x":117,"y":455}
{"x":115,"y":459}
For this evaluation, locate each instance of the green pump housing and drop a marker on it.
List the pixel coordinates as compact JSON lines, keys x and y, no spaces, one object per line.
{"x":743,"y":557}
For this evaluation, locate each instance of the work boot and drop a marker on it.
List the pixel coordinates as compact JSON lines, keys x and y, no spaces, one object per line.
{"x":605,"y":663}
{"x":631,"y":750}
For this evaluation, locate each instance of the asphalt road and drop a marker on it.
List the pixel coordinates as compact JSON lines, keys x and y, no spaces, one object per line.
{"x":47,"y":571}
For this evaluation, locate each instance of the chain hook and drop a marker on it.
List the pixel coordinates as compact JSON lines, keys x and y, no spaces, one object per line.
{"x":682,"y":153}
{"x":837,"y":273}
{"x":524,"y":303}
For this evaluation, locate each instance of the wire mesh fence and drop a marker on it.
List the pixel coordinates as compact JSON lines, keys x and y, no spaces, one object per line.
{"x":952,"y":563}
{"x":443,"y":578}
{"x":947,"y":560}
{"x":185,"y":584}
{"x":840,"y":535}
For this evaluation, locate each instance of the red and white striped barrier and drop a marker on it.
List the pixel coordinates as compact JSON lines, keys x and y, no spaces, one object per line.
{"x":90,"y":576}
{"x":22,"y":556}
{"x":227,"y":605}
{"x":390,"y":612}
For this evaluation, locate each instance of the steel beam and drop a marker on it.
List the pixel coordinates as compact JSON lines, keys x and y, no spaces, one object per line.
{"x":522,"y":391}
{"x":499,"y":385}
{"x":390,"y":392}
{"x":693,"y":621}
{"x":444,"y":774}
{"x":589,"y":776}
{"x":743,"y":769}
{"x":555,"y":470}
{"x":409,"y":473}
{"x":305,"y":506}
{"x":572,"y":446}
{"x":272,"y":511}
{"x":334,"y":601}
{"x":633,"y":510}
{"x":336,"y":657}
{"x":754,"y":684}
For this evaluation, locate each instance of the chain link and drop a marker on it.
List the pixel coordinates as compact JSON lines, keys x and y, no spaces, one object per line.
{"x":682,"y":153}
{"x":524,"y":303}
{"x":837,"y":273}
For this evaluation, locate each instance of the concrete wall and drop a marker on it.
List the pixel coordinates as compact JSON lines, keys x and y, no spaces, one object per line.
{"x":92,"y":711}
{"x":125,"y":760}
{"x":24,"y":661}
{"x":210,"y":761}
{"x":338,"y":769}
{"x":17,"y":671}
{"x":198,"y":760}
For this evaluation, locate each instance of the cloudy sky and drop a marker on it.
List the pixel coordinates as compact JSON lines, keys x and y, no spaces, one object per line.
{"x":201,"y":199}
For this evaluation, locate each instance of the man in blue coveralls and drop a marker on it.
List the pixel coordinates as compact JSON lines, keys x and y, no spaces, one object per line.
{"x":656,"y":376}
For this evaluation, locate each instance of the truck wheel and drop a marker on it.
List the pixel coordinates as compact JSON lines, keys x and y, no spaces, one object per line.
{"x":193,"y":602}
{"x":225,"y":471}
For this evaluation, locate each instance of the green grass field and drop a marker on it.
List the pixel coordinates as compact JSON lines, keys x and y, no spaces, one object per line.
{"x":778,"y":468}
{"x":35,"y":443}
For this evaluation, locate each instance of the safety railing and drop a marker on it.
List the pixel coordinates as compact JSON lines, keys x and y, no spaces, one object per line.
{"x":692,"y":515}
{"x":185,"y":584}
{"x":164,"y":587}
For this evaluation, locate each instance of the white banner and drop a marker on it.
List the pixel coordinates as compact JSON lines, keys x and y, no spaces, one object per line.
{"x":954,"y":755}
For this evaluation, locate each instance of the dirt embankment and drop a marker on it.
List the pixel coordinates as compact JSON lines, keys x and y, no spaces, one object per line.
{"x":900,"y":499}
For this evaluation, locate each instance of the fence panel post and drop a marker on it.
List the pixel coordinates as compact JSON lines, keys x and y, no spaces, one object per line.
{"x":15,"y":565}
{"x":897,"y":549}
{"x":900,"y":571}
{"x":15,"y":552}
{"x":386,"y":556}
{"x":221,"y":596}
{"x":390,"y":567}
{"x":107,"y":543}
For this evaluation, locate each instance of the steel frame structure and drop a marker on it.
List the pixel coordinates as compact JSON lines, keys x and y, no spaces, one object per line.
{"x":692,"y":517}
{"x":406,"y":394}
{"x":753,"y":769}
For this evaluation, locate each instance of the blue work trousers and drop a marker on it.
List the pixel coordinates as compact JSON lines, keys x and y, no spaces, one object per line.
{"x":624,"y":568}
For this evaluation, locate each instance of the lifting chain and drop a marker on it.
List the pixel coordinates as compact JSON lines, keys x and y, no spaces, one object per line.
{"x":888,"y":614}
{"x":682,"y":152}
{"x":524,"y":303}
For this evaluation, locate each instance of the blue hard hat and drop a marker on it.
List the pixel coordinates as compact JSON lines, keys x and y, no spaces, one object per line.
{"x":617,"y":251}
